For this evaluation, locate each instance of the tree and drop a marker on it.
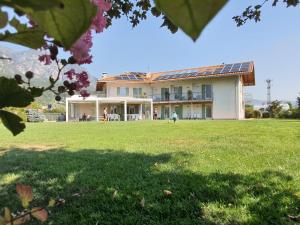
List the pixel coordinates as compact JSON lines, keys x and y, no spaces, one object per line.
{"x":254,"y":12}
{"x":274,"y":108}
{"x":298,"y":102}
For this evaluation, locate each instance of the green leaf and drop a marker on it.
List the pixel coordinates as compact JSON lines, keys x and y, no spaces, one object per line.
{"x":12,"y":122}
{"x":66,"y":25}
{"x":36,"y":92}
{"x":18,"y":25}
{"x":31,"y":38}
{"x":31,"y":5}
{"x":7,"y":215}
{"x":3,"y":19}
{"x":2,"y":221}
{"x":11,"y":94}
{"x":51,"y":203}
{"x":190,"y":15}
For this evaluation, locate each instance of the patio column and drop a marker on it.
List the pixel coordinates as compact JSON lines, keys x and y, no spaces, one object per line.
{"x":192,"y":111}
{"x":67,"y":110}
{"x":125,"y":110}
{"x":141,"y":111}
{"x":97,"y":110}
{"x":151,"y":109}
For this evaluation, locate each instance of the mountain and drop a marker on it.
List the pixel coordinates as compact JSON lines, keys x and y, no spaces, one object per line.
{"x":22,"y":61}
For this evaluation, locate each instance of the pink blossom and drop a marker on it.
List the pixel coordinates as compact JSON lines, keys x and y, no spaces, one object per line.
{"x":82,"y":81}
{"x":81,"y":49}
{"x":45,"y":58}
{"x":99,"y":22}
{"x":82,"y":77}
{"x":70,"y":74}
{"x":84,"y":93}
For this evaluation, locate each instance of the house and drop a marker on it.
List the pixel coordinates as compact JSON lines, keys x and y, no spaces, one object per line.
{"x":213,"y":92}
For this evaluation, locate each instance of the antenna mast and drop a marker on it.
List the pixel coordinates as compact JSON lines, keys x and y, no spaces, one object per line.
{"x":268,"y":91}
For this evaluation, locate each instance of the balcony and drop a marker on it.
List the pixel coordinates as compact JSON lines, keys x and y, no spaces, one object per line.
{"x":182,"y":97}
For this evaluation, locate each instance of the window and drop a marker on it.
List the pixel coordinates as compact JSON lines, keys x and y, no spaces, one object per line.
{"x":206,"y":91}
{"x":123,"y":91}
{"x":137,"y":92}
{"x":178,"y":93}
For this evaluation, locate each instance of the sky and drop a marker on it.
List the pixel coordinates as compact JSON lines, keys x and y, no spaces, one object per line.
{"x":273,"y":44}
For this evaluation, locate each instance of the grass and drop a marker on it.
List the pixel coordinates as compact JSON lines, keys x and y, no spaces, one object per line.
{"x":219,"y":172}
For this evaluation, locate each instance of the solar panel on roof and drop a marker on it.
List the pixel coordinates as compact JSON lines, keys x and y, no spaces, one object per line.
{"x":245,"y":67}
{"x":227,"y":68}
{"x":207,"y":73}
{"x":201,"y":73}
{"x":218,"y":70}
{"x":124,"y":77}
{"x":131,"y":77}
{"x":235,"y":67}
{"x":194,"y":74}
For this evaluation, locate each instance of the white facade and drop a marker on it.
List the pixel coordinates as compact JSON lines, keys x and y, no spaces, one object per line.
{"x":204,"y":95}
{"x":226,"y":103}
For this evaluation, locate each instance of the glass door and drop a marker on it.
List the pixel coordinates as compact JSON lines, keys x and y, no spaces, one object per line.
{"x":178,"y":110}
{"x":178,"y":93}
{"x":165,"y":94}
{"x":165,"y":112}
{"x":208,"y":112}
{"x":206,"y":91}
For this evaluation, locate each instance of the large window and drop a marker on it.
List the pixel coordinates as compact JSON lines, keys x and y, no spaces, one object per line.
{"x":123,"y":91}
{"x":207,"y":91}
{"x":137,"y":92}
{"x":178,"y":92}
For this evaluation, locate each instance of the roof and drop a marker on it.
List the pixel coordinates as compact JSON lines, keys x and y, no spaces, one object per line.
{"x":244,"y":69}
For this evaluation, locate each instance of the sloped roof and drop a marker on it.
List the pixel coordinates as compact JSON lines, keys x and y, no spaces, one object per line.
{"x":245,"y":69}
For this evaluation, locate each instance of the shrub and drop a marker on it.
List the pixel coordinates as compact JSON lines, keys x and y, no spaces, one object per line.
{"x":290,"y":114}
{"x":265,"y":115}
{"x":256,"y":114}
{"x":249,"y":111}
{"x":274,"y":109}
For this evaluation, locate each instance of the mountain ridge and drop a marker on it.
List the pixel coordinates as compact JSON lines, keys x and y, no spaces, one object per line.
{"x":23,"y":61}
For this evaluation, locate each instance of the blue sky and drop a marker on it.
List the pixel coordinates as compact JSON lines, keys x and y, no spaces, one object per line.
{"x":273,"y":44}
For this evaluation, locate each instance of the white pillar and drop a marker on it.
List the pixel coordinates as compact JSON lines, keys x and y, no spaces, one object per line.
{"x":141,"y":111}
{"x":97,"y":110}
{"x":125,"y":110}
{"x":67,"y":110}
{"x":151,"y":109}
{"x":192,"y":111}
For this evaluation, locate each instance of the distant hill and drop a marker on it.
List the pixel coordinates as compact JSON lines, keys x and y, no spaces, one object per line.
{"x":23,"y":61}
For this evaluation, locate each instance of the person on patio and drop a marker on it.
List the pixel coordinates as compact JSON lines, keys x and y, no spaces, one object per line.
{"x":174,"y":116}
{"x":105,"y":114}
{"x":84,"y":117}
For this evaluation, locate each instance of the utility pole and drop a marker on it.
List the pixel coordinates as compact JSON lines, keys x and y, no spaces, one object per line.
{"x":268,"y":91}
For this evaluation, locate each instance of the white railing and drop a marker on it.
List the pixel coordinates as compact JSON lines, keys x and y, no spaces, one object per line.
{"x":133,"y":117}
{"x":113,"y":117}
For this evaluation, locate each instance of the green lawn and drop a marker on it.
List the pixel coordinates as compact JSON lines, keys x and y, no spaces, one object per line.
{"x":220,"y":172}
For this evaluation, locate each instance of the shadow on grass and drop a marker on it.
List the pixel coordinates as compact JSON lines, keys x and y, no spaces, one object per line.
{"x":217,"y":198}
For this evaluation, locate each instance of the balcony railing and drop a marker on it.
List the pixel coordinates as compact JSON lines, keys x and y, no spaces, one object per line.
{"x":173,"y":97}
{"x":189,"y":96}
